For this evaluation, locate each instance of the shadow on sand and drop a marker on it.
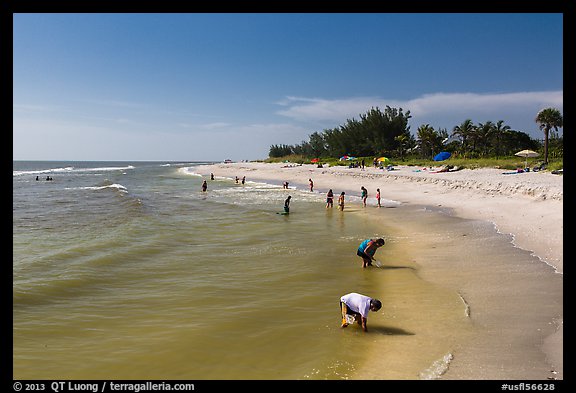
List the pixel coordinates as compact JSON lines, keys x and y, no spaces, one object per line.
{"x":394,"y":267}
{"x":390,"y":331}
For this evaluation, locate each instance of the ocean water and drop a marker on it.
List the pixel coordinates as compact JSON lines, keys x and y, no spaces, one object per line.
{"x":127,"y":270}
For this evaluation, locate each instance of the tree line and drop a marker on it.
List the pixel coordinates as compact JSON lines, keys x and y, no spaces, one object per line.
{"x":387,"y":133}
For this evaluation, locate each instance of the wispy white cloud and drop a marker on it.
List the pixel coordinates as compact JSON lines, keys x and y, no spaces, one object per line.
{"x":251,"y":130}
{"x":115,"y":103}
{"x":437,"y":105}
{"x":319,"y":109}
{"x":217,"y":125}
{"x":31,"y":108}
{"x":472,"y":102}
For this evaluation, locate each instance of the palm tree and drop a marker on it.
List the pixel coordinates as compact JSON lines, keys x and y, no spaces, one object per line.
{"x":484,"y":132}
{"x":430,"y":141}
{"x":465,"y":132}
{"x":547,"y":119}
{"x":499,"y":132}
{"x":405,"y":142}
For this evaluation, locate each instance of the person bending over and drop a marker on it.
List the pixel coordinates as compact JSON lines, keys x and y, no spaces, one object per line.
{"x":367,"y":249}
{"x":356,"y":306}
{"x":287,"y":204}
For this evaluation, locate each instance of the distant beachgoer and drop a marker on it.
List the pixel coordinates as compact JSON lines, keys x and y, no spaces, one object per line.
{"x":329,"y":199}
{"x":363,"y":163}
{"x":367,"y":249}
{"x":287,"y":204}
{"x":237,"y":179}
{"x":36,"y":178}
{"x":211,"y":176}
{"x":446,"y":168}
{"x":204,"y":186}
{"x":378,"y":197}
{"x":243,"y":179}
{"x":364,"y":195}
{"x":341,"y":201}
{"x":311,"y":185}
{"x":354,"y":307}
{"x":285,"y":185}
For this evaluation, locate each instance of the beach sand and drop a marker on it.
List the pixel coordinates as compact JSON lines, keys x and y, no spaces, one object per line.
{"x":527,"y":206}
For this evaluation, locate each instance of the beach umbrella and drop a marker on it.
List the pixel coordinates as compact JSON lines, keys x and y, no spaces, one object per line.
{"x":443,"y":155}
{"x":526,"y":154}
{"x":384,"y":160}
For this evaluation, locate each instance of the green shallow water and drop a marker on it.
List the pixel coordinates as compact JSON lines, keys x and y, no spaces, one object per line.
{"x":134,"y":273}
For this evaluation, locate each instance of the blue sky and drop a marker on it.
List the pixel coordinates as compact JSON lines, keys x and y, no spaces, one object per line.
{"x":185,"y":87}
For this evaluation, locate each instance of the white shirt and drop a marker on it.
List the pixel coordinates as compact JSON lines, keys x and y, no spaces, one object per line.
{"x":357,"y":303}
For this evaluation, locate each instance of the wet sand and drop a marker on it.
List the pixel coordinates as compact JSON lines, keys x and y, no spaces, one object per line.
{"x":520,"y":317}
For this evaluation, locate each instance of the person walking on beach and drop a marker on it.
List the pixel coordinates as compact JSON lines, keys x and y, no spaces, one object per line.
{"x":243,"y":179}
{"x":204,"y":186}
{"x":378,"y":197}
{"x":355,"y":307}
{"x":311,"y":185}
{"x":341,"y":201}
{"x":211,"y":176}
{"x":364,"y":195}
{"x":329,"y":199}
{"x":287,"y":204}
{"x":367,"y":249}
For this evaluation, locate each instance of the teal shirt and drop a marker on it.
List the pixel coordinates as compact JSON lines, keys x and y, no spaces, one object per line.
{"x":363,"y":246}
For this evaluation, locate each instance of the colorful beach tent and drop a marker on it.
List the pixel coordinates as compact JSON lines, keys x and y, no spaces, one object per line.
{"x":315,"y":160}
{"x":347,"y":158}
{"x":443,"y":155}
{"x":384,"y":160}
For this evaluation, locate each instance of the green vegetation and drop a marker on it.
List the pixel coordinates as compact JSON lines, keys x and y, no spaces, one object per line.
{"x":548,"y":119}
{"x":377,"y":134}
{"x":508,"y":163}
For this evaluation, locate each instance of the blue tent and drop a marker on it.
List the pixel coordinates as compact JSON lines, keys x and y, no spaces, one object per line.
{"x":443,"y":155}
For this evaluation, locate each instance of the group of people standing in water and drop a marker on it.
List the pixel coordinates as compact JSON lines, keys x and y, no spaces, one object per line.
{"x":354,"y":307}
{"x":364,"y":196}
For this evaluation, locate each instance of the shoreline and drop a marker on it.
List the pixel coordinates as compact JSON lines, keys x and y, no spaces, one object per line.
{"x":526,"y":206}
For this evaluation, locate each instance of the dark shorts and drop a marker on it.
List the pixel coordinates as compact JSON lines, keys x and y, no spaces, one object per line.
{"x":363,"y":255}
{"x":349,"y":311}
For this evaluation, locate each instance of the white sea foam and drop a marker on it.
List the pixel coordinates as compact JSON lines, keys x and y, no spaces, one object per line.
{"x":437,"y":368}
{"x":105,"y":168}
{"x":70,"y":169}
{"x":41,"y":171}
{"x":189,"y":171}
{"x":119,"y":187}
{"x":466,"y":305}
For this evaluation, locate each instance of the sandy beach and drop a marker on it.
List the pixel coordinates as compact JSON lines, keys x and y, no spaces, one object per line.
{"x":527,"y":206}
